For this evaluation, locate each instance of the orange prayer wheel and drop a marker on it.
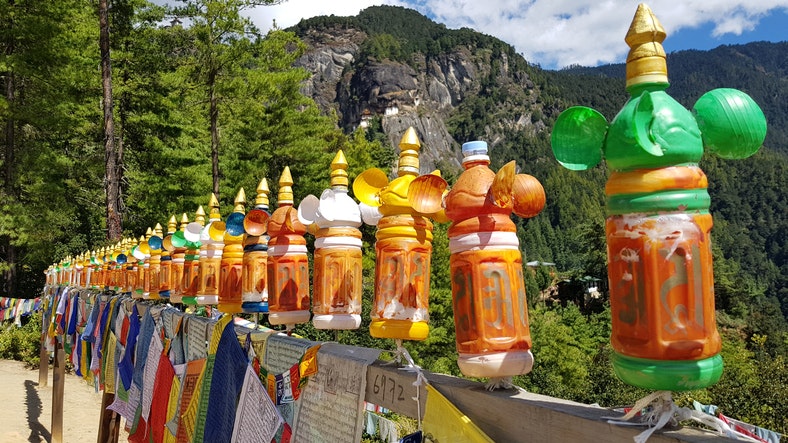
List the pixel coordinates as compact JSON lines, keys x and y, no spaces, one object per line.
{"x":211,"y":247}
{"x":404,"y":246}
{"x":191,"y":265}
{"x":165,"y":273}
{"x":658,"y":223}
{"x":337,"y":257}
{"x":288,"y":264}
{"x":153,"y":280}
{"x":231,"y":269}
{"x":142,"y":254}
{"x":255,"y":258}
{"x":178,"y":254}
{"x":488,"y":289}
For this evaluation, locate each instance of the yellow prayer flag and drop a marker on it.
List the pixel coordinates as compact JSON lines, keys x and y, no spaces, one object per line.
{"x":109,"y":356}
{"x":444,"y":423}
{"x":172,"y":408}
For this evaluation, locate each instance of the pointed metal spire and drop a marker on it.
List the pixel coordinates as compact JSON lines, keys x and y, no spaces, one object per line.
{"x":240,"y":201}
{"x":213,"y":203}
{"x":199,"y":216}
{"x":262,"y":193}
{"x":172,"y":225}
{"x":339,"y":177}
{"x":184,"y":221}
{"x":646,"y":61}
{"x":409,"y":147}
{"x":285,"y":196}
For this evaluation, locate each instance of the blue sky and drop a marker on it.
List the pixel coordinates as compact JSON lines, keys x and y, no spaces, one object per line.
{"x":557,"y":33}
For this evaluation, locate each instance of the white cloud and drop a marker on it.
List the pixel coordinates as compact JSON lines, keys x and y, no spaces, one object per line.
{"x":554,"y":33}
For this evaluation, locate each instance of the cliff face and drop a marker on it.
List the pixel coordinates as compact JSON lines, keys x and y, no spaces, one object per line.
{"x":424,"y":92}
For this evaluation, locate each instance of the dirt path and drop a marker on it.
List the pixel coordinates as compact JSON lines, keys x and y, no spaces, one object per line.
{"x":26,"y":410}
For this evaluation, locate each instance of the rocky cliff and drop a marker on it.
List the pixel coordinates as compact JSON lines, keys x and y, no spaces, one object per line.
{"x":419,"y":90}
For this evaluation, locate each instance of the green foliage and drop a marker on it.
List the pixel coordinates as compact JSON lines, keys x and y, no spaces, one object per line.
{"x":22,"y":343}
{"x":51,"y":201}
{"x":51,"y":182}
{"x":564,"y":345}
{"x":754,"y":385}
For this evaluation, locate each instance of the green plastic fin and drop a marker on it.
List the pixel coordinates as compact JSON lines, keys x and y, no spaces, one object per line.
{"x":578,"y":137}
{"x":731,"y":123}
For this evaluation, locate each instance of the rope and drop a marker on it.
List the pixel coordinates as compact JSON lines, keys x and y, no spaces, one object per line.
{"x":421,"y":380}
{"x":660,"y":410}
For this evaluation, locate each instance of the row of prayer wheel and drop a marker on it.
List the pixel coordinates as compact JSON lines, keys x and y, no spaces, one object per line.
{"x":257,"y":262}
{"x":658,"y":225}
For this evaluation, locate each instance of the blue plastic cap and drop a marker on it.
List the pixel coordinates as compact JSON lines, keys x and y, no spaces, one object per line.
{"x":476,"y":147}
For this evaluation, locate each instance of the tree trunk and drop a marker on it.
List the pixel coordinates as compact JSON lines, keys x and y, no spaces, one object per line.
{"x":10,"y":147}
{"x":8,"y":173}
{"x":111,"y":156}
{"x":214,"y":116}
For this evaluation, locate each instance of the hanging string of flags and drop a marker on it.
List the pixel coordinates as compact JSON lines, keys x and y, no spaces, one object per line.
{"x":176,"y":376}
{"x":16,"y":308}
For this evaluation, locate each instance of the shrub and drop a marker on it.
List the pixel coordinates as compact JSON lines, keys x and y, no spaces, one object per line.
{"x":22,"y":344}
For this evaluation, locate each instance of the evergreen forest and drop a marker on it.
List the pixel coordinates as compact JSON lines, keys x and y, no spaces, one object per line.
{"x":201,"y":101}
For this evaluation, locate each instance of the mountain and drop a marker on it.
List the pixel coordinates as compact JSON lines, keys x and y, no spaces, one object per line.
{"x":390,"y":67}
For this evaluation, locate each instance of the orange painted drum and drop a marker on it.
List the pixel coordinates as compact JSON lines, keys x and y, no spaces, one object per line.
{"x":176,"y":275}
{"x":490,"y":306}
{"x":231,"y":272}
{"x":661,"y":286}
{"x":488,"y":289}
{"x":191,"y":274}
{"x":254,"y":275}
{"x":165,"y":271}
{"x":131,"y":277}
{"x":288,"y":284}
{"x":153,"y":282}
{"x":139,"y":281}
{"x":402,"y":273}
{"x":209,"y":270}
{"x":337,"y":279}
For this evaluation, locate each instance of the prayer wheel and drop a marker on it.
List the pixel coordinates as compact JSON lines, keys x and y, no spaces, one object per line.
{"x":658,"y":222}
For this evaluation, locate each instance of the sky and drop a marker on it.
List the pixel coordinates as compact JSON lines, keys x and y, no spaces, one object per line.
{"x":559,"y":33}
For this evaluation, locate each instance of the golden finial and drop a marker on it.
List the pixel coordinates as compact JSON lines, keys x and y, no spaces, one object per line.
{"x":172,"y":224}
{"x":262,"y":193}
{"x":285,"y":188}
{"x":213,"y":203}
{"x":158,"y":230}
{"x":409,"y":147}
{"x":240,"y":201}
{"x":339,"y":171}
{"x":184,"y":221}
{"x":148,"y":233}
{"x":646,"y":61}
{"x":199,"y":216}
